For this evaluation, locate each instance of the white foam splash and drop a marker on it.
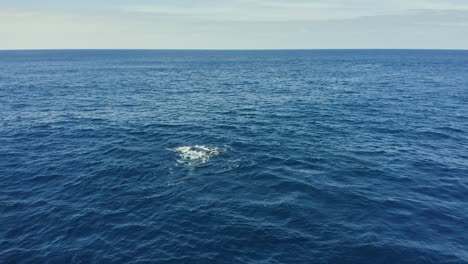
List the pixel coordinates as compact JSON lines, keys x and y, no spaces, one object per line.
{"x":197,"y":155}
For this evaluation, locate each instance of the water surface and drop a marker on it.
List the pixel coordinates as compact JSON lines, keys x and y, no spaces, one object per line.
{"x":234,"y":156}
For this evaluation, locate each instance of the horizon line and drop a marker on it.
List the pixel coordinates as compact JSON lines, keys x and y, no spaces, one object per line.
{"x":221,"y":49}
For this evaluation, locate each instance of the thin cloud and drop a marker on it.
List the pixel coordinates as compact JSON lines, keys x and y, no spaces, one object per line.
{"x":252,"y":11}
{"x":262,"y":10}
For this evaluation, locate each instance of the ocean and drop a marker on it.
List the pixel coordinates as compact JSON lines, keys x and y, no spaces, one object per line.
{"x":288,"y":156}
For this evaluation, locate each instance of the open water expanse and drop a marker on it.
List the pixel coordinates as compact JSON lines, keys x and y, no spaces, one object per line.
{"x":319,"y":156}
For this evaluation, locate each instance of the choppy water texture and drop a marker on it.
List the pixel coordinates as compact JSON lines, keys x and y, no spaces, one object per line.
{"x":234,"y":156}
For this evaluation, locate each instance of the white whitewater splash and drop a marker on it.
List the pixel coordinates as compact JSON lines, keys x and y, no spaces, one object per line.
{"x":197,"y":155}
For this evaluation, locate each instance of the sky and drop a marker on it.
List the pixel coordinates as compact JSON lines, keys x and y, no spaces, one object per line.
{"x":233,"y":24}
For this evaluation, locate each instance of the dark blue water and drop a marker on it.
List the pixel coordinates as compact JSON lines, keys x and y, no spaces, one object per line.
{"x":234,"y":156}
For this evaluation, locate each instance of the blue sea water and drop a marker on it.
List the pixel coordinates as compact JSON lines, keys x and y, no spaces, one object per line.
{"x":325,"y":156}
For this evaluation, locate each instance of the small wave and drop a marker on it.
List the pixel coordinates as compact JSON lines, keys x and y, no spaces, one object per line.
{"x":197,"y":155}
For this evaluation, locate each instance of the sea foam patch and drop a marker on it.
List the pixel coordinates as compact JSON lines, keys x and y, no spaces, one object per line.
{"x":197,"y":155}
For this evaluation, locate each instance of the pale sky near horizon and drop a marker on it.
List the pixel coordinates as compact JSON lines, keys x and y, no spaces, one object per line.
{"x":234,"y":24}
